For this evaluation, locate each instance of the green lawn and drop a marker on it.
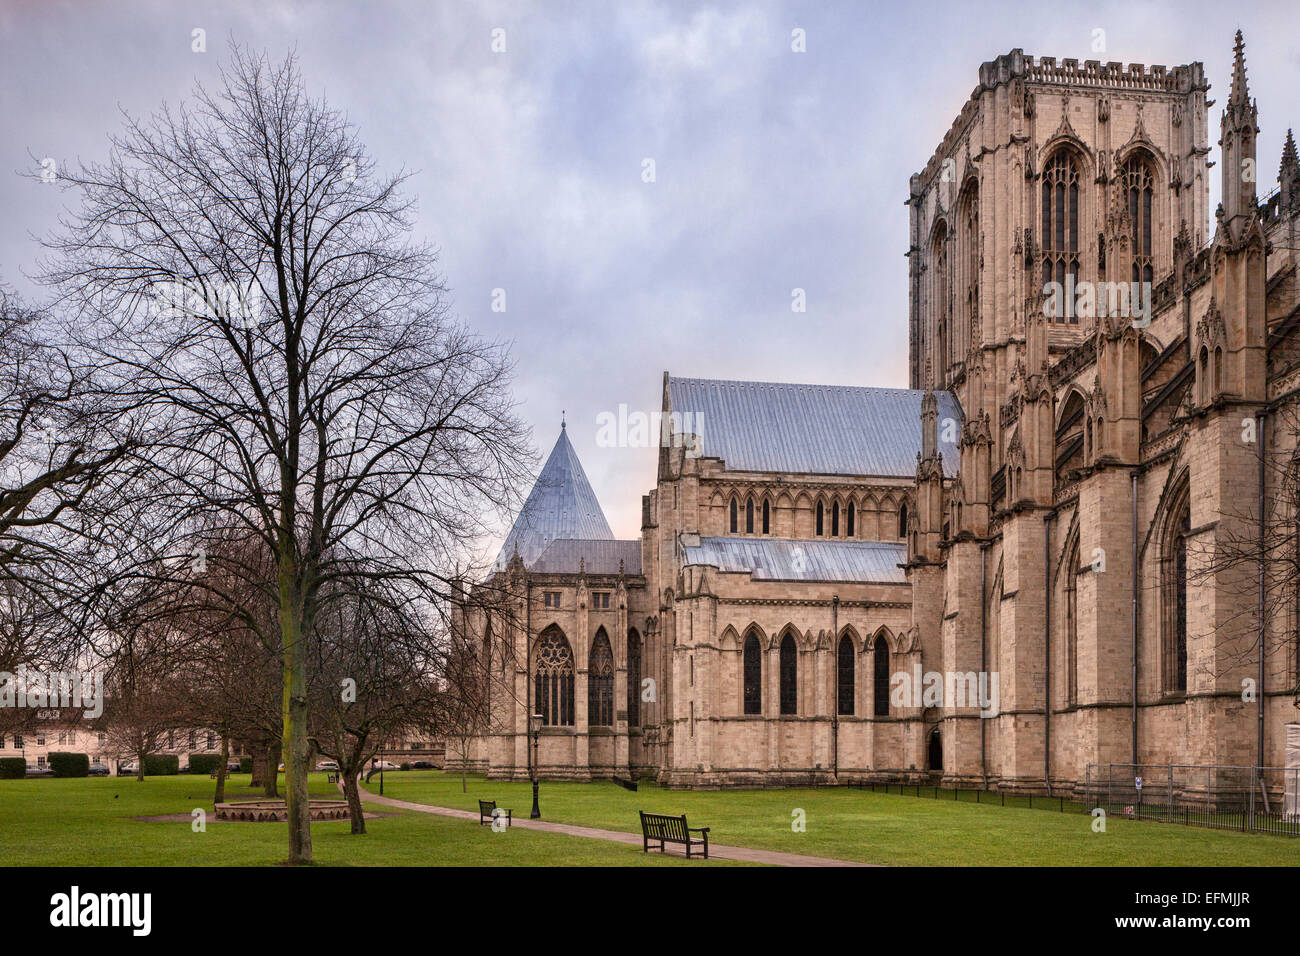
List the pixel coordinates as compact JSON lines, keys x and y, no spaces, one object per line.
{"x":89,"y":822}
{"x":871,"y":827}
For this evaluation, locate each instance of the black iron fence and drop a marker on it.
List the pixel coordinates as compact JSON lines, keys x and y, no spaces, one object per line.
{"x":1251,"y":799}
{"x":1062,"y":803}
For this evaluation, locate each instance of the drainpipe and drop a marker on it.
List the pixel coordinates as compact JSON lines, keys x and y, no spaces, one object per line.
{"x":1260,"y":417}
{"x":984,"y":659}
{"x":1133,"y":500}
{"x":835,"y":686}
{"x":1047,"y":650}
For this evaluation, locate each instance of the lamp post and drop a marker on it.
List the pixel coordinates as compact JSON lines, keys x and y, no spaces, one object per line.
{"x":535,"y":728}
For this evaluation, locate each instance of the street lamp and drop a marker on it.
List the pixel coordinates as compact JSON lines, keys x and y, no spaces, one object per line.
{"x":535,"y":728}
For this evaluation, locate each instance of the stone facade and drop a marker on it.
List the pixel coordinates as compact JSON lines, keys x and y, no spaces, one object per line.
{"x":1079,"y":475}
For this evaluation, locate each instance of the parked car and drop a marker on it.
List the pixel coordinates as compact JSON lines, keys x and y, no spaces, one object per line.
{"x":129,"y":769}
{"x":34,"y":771}
{"x":232,"y":766}
{"x":422,"y":765}
{"x":382,"y":765}
{"x":97,"y":770}
{"x":330,"y":765}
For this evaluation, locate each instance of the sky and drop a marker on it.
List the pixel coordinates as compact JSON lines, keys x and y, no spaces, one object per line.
{"x":530,"y":130}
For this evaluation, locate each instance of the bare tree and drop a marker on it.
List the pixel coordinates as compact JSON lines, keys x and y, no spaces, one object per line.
{"x":245,"y":279}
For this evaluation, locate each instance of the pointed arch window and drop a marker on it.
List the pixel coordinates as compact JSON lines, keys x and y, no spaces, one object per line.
{"x":1174,"y":573}
{"x":633,"y":678}
{"x":821,"y":518}
{"x":880,"y":668}
{"x":749,"y":516}
{"x":789,"y":676}
{"x":1072,"y":625}
{"x":554,"y":679}
{"x":941,"y":302}
{"x":844,"y":661}
{"x":902,"y":520}
{"x":835,"y":520}
{"x":753,"y":675}
{"x":1060,"y":218}
{"x":600,"y":682}
{"x":767,"y":517}
{"x":735,"y":525}
{"x":849,"y":520}
{"x":1139,"y":182}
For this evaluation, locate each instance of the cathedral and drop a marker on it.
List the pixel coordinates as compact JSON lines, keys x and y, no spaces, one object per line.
{"x":1072,"y":541}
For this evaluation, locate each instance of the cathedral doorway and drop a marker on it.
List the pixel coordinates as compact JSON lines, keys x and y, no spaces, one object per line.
{"x":936,"y":751}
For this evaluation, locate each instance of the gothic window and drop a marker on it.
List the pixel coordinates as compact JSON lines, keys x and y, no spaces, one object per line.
{"x":767,"y":517}
{"x":820,"y":519}
{"x":880,"y":666}
{"x":849,"y":528}
{"x":554,"y":679}
{"x":1060,"y":218}
{"x":1138,"y":186}
{"x":753,"y":668}
{"x":902,"y":520}
{"x":600,"y":682}
{"x":971,"y":242}
{"x":633,"y":678}
{"x":844,"y":676}
{"x":1174,"y":574}
{"x":749,"y":516}
{"x":1072,"y":625}
{"x":941,"y":299}
{"x":835,"y":520}
{"x":789,"y":676}
{"x":734,"y":522}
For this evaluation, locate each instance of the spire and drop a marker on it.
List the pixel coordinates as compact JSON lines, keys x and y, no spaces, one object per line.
{"x":1240,"y":95}
{"x":1237,"y":145}
{"x":1288,"y":174}
{"x":561,"y":505}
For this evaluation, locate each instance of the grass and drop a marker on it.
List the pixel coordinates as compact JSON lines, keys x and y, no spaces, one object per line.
{"x":90,"y":822}
{"x":869,"y":827}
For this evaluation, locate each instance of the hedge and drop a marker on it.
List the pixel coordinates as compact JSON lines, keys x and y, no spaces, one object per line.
{"x":12,"y":768}
{"x":245,"y":764}
{"x":161,"y":765}
{"x":204,"y":763}
{"x":69,"y":765}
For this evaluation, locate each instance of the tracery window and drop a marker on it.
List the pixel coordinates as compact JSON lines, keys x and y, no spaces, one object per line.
{"x":1139,"y":189}
{"x":633,"y":678}
{"x":753,"y":675}
{"x":789,"y":676}
{"x":844,"y":676}
{"x":1060,"y":218}
{"x":880,"y":665}
{"x":1174,"y":573}
{"x":554,"y":679}
{"x":600,"y":682}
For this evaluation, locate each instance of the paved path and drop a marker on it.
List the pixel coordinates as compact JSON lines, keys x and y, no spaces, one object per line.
{"x":741,"y":853}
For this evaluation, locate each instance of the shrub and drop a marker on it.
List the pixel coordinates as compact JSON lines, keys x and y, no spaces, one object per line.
{"x":161,"y":765}
{"x":405,"y":766}
{"x":204,"y":763}
{"x":245,"y":764}
{"x":12,"y":768}
{"x":70,"y":765}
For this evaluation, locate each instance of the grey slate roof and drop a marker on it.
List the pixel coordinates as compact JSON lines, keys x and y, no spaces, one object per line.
{"x":567,"y":555}
{"x":782,"y":559}
{"x":811,"y":429}
{"x":561,"y":505}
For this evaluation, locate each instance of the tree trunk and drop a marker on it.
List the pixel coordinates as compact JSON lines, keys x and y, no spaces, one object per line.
{"x":220,"y":795}
{"x":259,"y":768}
{"x":353,"y":794}
{"x":464,"y":761}
{"x":270,"y":783}
{"x":139,"y":767}
{"x":293,"y":706}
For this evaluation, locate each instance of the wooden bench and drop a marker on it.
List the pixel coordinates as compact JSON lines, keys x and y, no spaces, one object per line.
{"x":487,"y":811}
{"x":655,"y":826}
